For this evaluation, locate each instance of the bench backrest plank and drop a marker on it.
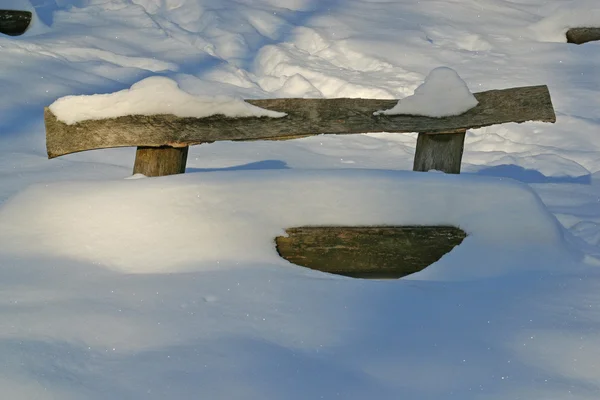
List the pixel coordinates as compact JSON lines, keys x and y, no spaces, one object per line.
{"x":306,"y":117}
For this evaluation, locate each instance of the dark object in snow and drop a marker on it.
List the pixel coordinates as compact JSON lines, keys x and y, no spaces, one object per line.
{"x":14,"y":23}
{"x":368,"y":252}
{"x":306,"y":117}
{"x":583,"y":35}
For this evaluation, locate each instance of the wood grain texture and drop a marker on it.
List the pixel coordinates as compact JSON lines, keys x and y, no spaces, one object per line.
{"x":13,"y":22}
{"x":368,"y":252}
{"x":583,"y":35}
{"x":160,"y":161}
{"x":439,"y":152}
{"x":306,"y":117}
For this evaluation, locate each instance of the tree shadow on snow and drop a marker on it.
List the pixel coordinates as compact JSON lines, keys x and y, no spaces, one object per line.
{"x":45,"y":8}
{"x":284,"y":33}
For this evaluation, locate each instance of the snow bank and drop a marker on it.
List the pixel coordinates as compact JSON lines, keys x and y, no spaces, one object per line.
{"x":151,"y":96}
{"x":442,"y":94}
{"x":573,"y":14}
{"x":215,"y":220}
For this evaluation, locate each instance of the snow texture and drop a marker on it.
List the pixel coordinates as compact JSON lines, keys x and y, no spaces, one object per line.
{"x":171,"y":288}
{"x":443,"y":94}
{"x":572,"y":14}
{"x":152,"y":96}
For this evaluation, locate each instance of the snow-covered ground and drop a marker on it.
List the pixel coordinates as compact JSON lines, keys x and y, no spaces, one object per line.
{"x":170,"y":288}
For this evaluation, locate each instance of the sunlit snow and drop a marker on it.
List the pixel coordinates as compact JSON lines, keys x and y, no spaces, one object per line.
{"x":442,"y":94}
{"x":571,"y":14}
{"x":155,"y":95}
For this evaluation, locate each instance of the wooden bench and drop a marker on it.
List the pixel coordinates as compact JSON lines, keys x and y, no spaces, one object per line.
{"x":162,"y":140}
{"x":357,"y":251}
{"x":13,"y":22}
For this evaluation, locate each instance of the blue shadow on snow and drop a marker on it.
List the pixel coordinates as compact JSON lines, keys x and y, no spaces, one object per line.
{"x":530,"y":175}
{"x":258,"y":165}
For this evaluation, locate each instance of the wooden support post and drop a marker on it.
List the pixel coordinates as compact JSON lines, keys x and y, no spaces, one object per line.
{"x":160,"y":161}
{"x":442,"y":152}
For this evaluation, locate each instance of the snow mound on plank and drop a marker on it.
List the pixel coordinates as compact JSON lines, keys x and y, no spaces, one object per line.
{"x":152,"y":96}
{"x":442,"y":94}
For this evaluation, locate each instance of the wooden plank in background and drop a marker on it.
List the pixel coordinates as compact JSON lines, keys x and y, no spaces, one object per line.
{"x":583,"y":35}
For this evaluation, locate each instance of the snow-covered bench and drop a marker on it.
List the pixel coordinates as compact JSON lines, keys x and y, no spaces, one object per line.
{"x":14,"y":22}
{"x":137,"y":117}
{"x":162,"y":140}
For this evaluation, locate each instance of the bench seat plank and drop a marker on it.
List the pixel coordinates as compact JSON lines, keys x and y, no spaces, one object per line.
{"x":388,"y":252}
{"x":306,"y":117}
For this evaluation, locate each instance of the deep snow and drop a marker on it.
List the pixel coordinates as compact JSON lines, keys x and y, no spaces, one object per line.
{"x":171,"y":287}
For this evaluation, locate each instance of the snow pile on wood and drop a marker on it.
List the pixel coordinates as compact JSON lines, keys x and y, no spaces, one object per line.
{"x":152,"y":96}
{"x":443,"y":94}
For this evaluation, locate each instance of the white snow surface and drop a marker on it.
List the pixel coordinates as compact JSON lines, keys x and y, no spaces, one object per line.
{"x":152,"y":96}
{"x":442,"y":94}
{"x":571,"y":14}
{"x":125,"y":287}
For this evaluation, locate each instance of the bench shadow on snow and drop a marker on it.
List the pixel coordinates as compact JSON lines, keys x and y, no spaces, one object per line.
{"x":530,"y":175}
{"x":511,"y":171}
{"x":258,"y":165}
{"x":499,"y":171}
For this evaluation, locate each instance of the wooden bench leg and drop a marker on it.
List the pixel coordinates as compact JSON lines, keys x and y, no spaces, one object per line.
{"x":442,"y":152}
{"x":160,"y":161}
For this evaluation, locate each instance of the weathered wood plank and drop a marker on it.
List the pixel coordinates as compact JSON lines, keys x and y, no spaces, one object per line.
{"x":439,"y":152}
{"x":305,"y":117}
{"x":583,"y":35}
{"x":160,"y":161}
{"x":368,"y":252}
{"x":13,"y":22}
